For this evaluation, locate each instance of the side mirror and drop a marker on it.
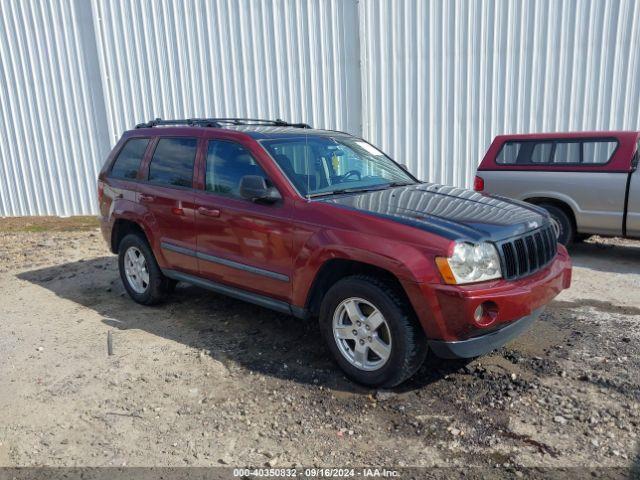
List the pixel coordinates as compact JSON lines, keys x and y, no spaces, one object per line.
{"x":404,"y":167}
{"x":255,"y":188}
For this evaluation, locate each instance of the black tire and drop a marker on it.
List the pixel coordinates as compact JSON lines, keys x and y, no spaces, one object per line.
{"x":170,"y":285}
{"x":581,"y":237}
{"x":158,"y":286}
{"x":408,"y":346}
{"x":567,"y":230}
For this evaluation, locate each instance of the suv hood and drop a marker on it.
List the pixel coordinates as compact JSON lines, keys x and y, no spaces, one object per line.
{"x":453,"y":213}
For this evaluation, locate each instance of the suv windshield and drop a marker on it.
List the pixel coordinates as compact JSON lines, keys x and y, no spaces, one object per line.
{"x":322,"y":165}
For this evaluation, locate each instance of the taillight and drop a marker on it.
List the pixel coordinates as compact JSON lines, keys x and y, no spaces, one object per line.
{"x":478,"y":184}
{"x":100,"y":191}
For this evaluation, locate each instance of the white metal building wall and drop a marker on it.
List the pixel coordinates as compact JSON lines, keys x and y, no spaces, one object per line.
{"x":75,"y":74}
{"x":430,"y":82}
{"x":49,"y":152}
{"x":290,"y":59}
{"x":442,"y":78}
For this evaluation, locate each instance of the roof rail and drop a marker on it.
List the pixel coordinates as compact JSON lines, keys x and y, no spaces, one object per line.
{"x":221,"y":122}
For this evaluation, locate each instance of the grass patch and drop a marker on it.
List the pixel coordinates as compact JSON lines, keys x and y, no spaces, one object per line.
{"x":48,"y":224}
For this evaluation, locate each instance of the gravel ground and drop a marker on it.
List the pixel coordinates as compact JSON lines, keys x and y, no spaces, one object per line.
{"x":206,"y":380}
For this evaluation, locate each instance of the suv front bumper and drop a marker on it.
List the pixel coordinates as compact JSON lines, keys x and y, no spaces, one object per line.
{"x":446,"y":312}
{"x":476,"y":346}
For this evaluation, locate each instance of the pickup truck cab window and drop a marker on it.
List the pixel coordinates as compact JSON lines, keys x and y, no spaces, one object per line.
{"x":127,"y":164}
{"x":172,"y":162}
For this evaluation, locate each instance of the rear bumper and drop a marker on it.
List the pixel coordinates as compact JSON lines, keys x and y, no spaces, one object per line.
{"x":476,"y":346}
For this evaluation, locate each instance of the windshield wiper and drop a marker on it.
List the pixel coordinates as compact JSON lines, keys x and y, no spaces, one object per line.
{"x":399,"y":184}
{"x":324,"y":194}
{"x":370,"y":188}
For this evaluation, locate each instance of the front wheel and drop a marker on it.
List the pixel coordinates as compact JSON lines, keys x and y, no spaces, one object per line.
{"x":371,"y":331}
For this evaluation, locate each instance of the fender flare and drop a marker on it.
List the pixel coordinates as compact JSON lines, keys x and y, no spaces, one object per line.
{"x":120,"y":213}
{"x":407,"y":265}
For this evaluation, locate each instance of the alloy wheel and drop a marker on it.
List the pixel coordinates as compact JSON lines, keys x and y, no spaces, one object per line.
{"x":362,"y":334}
{"x":135,"y":269}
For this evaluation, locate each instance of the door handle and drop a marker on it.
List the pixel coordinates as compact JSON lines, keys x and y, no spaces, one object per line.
{"x":147,"y":198}
{"x":209,"y":212}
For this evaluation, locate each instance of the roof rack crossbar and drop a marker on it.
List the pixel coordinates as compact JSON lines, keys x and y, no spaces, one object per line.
{"x":221,"y":122}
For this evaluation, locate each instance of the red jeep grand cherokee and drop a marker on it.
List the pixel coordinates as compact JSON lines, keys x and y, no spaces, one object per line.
{"x":317,"y":223}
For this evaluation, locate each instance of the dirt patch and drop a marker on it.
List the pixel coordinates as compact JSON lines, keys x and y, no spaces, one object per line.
{"x":208,"y":380}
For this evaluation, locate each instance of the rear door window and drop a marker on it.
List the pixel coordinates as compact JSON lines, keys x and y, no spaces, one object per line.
{"x":128,"y":162}
{"x":172,"y":162}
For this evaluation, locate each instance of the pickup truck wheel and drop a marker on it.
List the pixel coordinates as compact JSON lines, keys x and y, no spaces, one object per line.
{"x":139,"y":271}
{"x":562,"y":224}
{"x":371,"y":331}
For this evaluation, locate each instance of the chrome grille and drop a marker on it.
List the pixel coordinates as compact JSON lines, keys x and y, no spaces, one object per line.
{"x":527,"y":254}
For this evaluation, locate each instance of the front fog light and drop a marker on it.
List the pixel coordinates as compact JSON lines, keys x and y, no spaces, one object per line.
{"x":470,"y":263}
{"x":485,"y":314}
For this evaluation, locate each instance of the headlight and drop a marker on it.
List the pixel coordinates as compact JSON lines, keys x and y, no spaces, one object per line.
{"x":470,"y":263}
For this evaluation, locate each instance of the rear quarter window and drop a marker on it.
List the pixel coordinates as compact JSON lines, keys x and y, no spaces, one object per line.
{"x":127,"y":163}
{"x":172,"y":162}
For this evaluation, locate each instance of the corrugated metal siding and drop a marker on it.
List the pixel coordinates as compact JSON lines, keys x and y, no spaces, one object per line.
{"x":49,"y":162}
{"x":441,"y":79}
{"x":429,"y":82}
{"x":72,"y":82}
{"x":290,"y":59}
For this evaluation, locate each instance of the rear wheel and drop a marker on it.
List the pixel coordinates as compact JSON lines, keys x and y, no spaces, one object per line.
{"x":371,"y":331}
{"x":142,"y":278}
{"x":562,"y":223}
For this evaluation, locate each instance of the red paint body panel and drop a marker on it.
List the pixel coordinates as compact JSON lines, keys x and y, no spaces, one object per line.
{"x":620,"y":161}
{"x":451,"y":306}
{"x":258,"y":236}
{"x":324,"y":232}
{"x":289,"y":242}
{"x":171,"y":215}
